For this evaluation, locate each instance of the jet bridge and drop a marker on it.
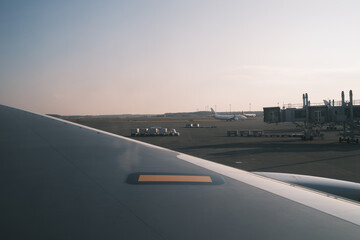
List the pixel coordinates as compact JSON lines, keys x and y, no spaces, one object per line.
{"x":314,"y":116}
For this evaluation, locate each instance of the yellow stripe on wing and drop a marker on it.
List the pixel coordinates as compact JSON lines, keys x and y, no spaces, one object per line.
{"x":174,"y":178}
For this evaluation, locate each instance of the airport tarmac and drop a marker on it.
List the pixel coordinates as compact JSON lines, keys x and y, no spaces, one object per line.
{"x":321,"y":157}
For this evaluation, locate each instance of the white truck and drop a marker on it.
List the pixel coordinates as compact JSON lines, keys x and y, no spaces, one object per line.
{"x":144,"y":131}
{"x":173,"y":132}
{"x":163,"y":131}
{"x":153,"y":131}
{"x":135,"y":131}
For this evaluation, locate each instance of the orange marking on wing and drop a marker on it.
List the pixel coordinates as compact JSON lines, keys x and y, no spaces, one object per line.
{"x":174,"y":178}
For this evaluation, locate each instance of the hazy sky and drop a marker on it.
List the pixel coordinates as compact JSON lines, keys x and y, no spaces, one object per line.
{"x":113,"y":57}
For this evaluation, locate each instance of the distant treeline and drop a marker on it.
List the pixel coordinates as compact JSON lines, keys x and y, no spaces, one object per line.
{"x":200,"y":114}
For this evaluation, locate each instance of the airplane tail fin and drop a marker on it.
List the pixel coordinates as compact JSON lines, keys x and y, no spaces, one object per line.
{"x":212,"y":111}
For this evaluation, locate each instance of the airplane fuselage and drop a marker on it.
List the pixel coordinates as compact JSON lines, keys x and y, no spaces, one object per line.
{"x":233,"y":117}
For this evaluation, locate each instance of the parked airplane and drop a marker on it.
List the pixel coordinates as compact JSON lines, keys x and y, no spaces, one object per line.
{"x":248,"y":115}
{"x":61,"y":180}
{"x":227,"y":117}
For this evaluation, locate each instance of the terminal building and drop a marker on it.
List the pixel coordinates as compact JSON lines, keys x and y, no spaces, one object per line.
{"x":331,"y":113}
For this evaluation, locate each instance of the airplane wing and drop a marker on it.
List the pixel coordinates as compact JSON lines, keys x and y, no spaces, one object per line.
{"x":60,"y":180}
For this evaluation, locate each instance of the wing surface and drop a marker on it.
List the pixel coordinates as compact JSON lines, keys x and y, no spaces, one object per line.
{"x":60,"y":180}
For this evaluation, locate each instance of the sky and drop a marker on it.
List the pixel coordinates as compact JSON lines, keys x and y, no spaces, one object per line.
{"x":147,"y":57}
